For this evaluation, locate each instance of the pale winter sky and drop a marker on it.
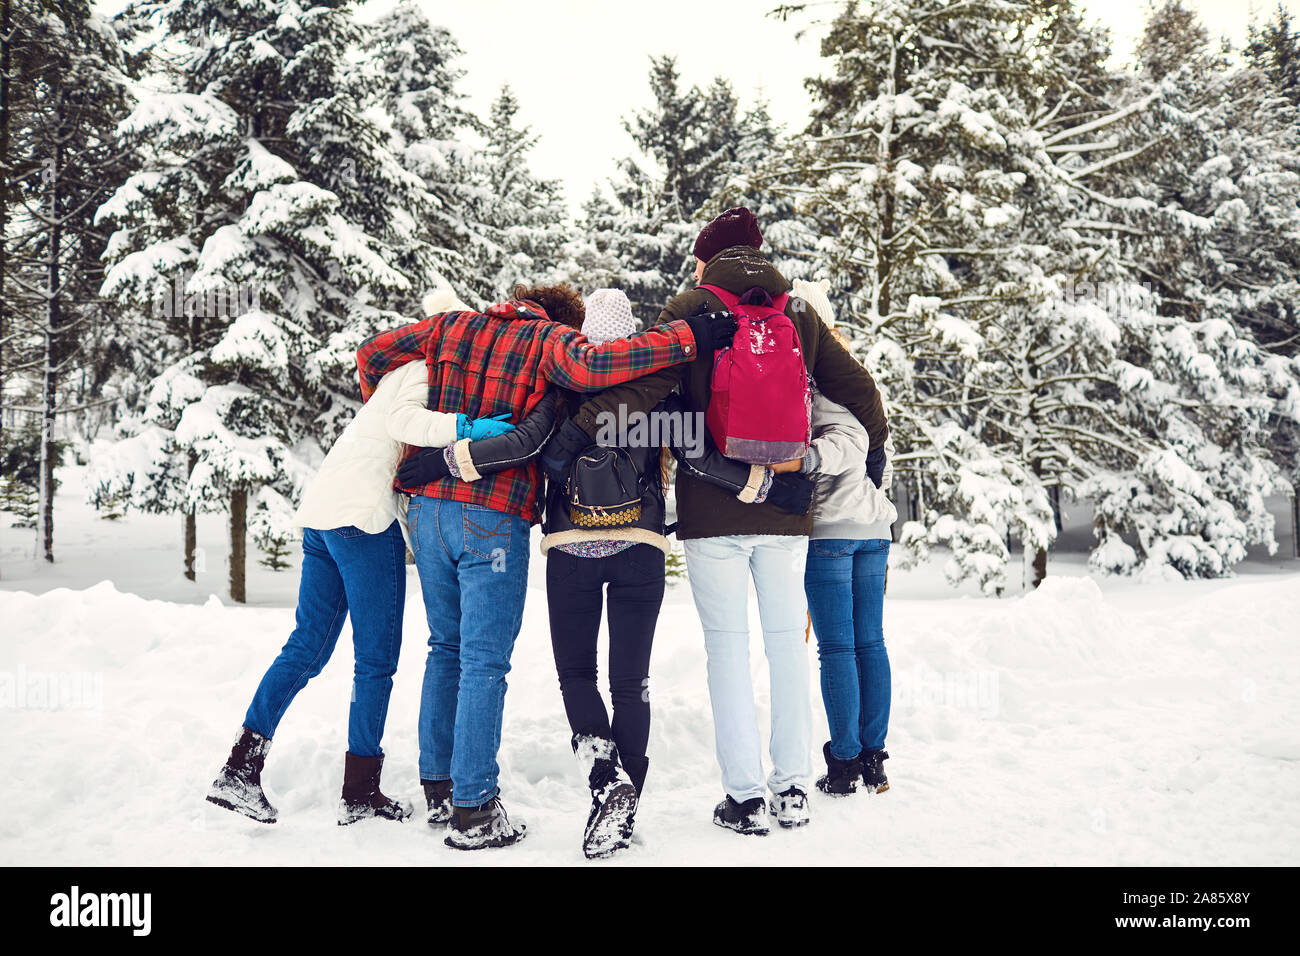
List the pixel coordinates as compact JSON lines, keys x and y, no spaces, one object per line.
{"x":578,"y":66}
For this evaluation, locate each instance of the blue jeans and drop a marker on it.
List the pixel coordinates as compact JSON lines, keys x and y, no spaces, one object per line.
{"x":473,"y":564}
{"x":344,"y":571}
{"x":845,"y":584}
{"x":719,"y":570}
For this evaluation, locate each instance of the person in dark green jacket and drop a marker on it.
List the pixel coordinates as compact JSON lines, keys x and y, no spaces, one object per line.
{"x":727,"y":542}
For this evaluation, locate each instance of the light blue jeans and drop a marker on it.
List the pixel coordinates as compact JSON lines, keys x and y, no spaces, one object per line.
{"x":719,"y":570}
{"x":473,"y":564}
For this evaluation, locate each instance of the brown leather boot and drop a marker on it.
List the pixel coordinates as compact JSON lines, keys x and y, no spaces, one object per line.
{"x":362,"y":798}
{"x":437,"y":794}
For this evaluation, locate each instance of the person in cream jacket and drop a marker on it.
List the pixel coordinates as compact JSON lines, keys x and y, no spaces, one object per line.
{"x":353,"y":565}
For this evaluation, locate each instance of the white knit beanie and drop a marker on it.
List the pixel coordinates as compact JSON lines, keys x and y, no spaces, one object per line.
{"x":814,"y":293}
{"x":609,"y":316}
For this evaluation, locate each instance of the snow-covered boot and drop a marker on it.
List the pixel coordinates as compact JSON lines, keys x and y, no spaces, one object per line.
{"x":362,"y":799}
{"x":790,"y":807}
{"x":613,"y":797}
{"x":842,"y":776}
{"x":637,"y":768}
{"x":873,"y":771}
{"x":437,"y":794}
{"x":744,"y":817}
{"x":476,"y":828}
{"x":238,"y":786}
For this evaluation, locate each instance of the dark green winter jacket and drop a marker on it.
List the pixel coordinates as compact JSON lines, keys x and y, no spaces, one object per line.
{"x":705,"y":511}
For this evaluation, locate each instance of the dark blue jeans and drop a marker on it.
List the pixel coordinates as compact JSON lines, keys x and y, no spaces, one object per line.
{"x":344,"y":571}
{"x":845,"y":584}
{"x":473,"y":564}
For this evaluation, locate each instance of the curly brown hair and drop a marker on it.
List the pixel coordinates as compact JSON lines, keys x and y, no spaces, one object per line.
{"x":563,"y":303}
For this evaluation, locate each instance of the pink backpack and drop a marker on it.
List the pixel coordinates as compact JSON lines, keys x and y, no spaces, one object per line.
{"x":760,"y":411}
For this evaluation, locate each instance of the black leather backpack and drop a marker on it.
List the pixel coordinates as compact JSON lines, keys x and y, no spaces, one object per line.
{"x":604,"y":489}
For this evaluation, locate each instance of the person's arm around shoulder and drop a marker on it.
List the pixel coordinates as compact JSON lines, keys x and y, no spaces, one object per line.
{"x":574,"y":363}
{"x":842,"y":379}
{"x":410,"y":420}
{"x":381,"y":353}
{"x":471,"y":459}
{"x":840,"y":443}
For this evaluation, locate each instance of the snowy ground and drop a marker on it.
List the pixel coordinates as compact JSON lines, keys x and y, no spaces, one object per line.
{"x":1090,"y":722}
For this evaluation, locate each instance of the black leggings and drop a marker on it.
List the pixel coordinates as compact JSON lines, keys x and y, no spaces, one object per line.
{"x":574,"y":595}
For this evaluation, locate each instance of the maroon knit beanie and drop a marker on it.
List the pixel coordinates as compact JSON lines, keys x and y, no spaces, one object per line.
{"x":735,"y":227}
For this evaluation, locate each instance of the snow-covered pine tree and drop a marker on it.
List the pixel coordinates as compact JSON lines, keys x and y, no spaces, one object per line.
{"x":1215,"y":234}
{"x":1274,"y":48}
{"x":416,"y":101}
{"x":761,"y":155}
{"x":1050,"y":355}
{"x":686,"y":141}
{"x":519,"y":220}
{"x":268,"y":203}
{"x":591,"y":257}
{"x":60,"y":163}
{"x":917,"y":173}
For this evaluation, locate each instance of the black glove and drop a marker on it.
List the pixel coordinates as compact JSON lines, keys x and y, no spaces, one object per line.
{"x":876,"y":465}
{"x":560,"y":451}
{"x":791,"y":492}
{"x":425,"y":466}
{"x":712,"y":330}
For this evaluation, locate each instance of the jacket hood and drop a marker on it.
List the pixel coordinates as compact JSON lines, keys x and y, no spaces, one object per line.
{"x":740,"y":268}
{"x":519,"y":309}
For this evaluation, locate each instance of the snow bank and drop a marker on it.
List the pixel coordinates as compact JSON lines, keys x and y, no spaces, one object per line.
{"x":1150,"y":727}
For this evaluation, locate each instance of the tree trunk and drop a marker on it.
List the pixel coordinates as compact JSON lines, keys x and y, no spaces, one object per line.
{"x":1295,"y":524}
{"x":191,"y":529}
{"x":238,"y":536}
{"x":1054,"y":496}
{"x":1039,"y":567}
{"x":6,"y":40}
{"x":53,"y":323}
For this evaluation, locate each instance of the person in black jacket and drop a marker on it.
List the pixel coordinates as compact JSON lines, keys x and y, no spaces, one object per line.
{"x":588,"y":547}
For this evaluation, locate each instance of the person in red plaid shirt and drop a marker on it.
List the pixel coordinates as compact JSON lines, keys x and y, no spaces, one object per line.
{"x":470,"y":540}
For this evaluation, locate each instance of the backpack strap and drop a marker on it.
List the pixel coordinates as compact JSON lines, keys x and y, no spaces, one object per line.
{"x":729,"y":299}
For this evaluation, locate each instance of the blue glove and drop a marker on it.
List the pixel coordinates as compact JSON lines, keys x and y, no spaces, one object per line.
{"x":476,"y":428}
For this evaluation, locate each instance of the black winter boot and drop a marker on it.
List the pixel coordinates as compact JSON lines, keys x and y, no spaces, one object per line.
{"x":437,"y":794}
{"x":238,"y":786}
{"x":613,"y":797}
{"x":842,"y":776}
{"x":873,"y":771}
{"x":637,"y":768}
{"x":362,"y":798}
{"x":748,"y":817}
{"x":476,"y":828}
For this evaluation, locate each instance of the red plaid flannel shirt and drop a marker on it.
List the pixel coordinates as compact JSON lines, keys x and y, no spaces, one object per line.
{"x":484,"y":364}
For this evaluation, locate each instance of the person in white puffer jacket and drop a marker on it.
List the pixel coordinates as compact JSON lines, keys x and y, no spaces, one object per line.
{"x":353,"y":565}
{"x":844,"y":581}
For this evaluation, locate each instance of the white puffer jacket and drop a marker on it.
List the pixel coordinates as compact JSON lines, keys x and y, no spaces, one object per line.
{"x":354,"y":485}
{"x":846,"y":503}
